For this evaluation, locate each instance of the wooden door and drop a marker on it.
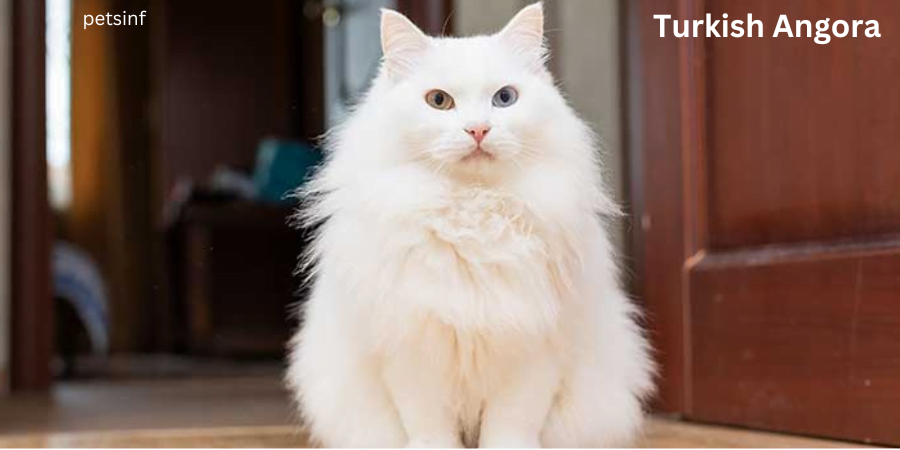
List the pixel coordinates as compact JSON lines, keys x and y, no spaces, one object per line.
{"x":766,"y":193}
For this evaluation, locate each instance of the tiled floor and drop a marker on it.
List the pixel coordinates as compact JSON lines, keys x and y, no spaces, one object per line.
{"x":238,"y":411}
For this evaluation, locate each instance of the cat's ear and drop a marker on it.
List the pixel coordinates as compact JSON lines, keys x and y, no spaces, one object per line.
{"x":525,"y":33}
{"x":401,"y":42}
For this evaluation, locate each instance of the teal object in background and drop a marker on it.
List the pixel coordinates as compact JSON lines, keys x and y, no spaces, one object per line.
{"x":281,"y":167}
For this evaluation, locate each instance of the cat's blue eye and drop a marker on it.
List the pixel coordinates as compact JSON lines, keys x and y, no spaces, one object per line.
{"x":505,"y":97}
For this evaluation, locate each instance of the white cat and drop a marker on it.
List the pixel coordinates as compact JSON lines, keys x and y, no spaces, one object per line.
{"x":465,"y":290}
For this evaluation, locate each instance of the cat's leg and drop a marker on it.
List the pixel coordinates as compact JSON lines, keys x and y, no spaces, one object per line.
{"x":419,"y":374}
{"x":338,"y":389}
{"x":593,"y":412}
{"x":516,"y":410}
{"x":600,"y":403}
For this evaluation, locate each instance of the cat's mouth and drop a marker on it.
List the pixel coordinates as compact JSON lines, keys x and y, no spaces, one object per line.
{"x":478,"y":154}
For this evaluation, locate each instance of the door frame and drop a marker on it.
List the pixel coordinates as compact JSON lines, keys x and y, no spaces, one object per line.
{"x":664,"y":140}
{"x":32,"y":304}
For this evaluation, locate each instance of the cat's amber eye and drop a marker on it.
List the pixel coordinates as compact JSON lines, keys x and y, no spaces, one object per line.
{"x":505,"y":97}
{"x":439,"y":99}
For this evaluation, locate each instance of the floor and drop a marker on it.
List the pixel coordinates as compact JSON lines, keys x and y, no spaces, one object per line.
{"x":248,"y":410}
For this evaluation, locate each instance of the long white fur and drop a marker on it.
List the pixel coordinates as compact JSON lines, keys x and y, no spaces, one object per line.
{"x":465,"y":302}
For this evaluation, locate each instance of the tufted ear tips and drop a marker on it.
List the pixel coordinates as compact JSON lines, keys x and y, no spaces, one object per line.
{"x":525,"y":31}
{"x":401,"y":42}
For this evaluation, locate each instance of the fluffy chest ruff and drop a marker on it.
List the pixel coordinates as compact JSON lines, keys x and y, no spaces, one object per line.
{"x":480,"y":261}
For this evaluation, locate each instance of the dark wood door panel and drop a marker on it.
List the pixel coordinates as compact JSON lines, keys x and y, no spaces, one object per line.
{"x":766,"y":182}
{"x":803,"y":141}
{"x":802,"y":341}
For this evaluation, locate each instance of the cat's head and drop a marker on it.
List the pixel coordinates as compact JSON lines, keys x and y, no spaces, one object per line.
{"x":470,"y":103}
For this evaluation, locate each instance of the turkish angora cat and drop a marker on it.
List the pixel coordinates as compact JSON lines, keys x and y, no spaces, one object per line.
{"x":465,"y":290}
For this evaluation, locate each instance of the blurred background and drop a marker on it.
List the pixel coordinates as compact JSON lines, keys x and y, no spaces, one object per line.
{"x":148,"y":263}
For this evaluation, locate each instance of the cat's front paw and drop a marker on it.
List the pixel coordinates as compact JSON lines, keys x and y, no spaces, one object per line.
{"x":434,"y":442}
{"x":509,"y":441}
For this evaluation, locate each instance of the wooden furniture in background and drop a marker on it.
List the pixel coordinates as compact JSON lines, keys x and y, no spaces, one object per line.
{"x":234,"y":265}
{"x":765,"y":174}
{"x":225,"y":77}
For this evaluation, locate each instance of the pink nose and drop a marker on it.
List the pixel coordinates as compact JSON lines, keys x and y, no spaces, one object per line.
{"x":478,"y":133}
